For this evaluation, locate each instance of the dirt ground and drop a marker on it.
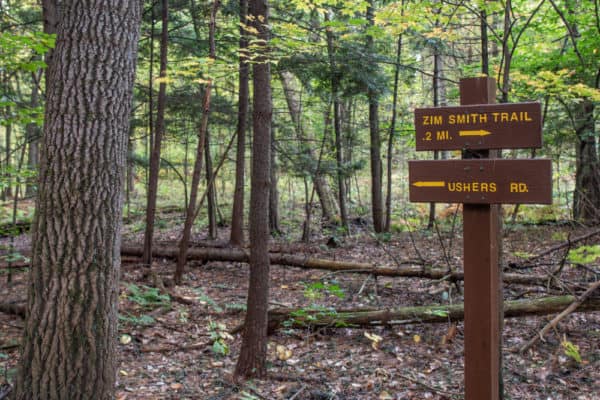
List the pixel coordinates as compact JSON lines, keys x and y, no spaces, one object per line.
{"x":166,"y":349}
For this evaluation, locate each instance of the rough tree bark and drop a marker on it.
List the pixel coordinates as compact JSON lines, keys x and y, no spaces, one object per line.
{"x":252,"y":361}
{"x":237,"y":213}
{"x":69,"y":335}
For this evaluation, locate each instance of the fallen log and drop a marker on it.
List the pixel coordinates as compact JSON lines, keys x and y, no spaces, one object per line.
{"x":421,"y":314}
{"x":408,"y":271}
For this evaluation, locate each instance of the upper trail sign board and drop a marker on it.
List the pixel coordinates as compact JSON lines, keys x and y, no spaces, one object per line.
{"x":483,"y":126}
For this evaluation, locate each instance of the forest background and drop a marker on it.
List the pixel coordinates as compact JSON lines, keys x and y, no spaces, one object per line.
{"x":345,"y":78}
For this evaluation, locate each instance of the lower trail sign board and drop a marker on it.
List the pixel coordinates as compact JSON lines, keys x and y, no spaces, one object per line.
{"x":481,"y":181}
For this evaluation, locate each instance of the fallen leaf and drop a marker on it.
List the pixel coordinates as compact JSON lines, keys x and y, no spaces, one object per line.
{"x":125,"y":339}
{"x":417,"y":339}
{"x":385,"y":396}
{"x":283,"y":353}
{"x":176,"y":386}
{"x":375,"y":340}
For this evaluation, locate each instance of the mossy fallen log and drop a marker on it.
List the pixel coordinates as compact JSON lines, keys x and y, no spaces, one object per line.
{"x":301,"y":318}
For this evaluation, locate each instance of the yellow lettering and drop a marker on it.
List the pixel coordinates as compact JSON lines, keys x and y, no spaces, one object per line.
{"x":526,"y":117}
{"x":483,"y":118}
{"x":461,"y":119}
{"x":442,"y":135}
{"x":432,"y":120}
{"x":518,"y":187}
{"x":451,"y":119}
{"x":472,"y":186}
{"x":514,"y":117}
{"x":504,"y":117}
{"x":495,"y":114}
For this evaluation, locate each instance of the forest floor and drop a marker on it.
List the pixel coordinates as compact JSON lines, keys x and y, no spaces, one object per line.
{"x":166,"y":350}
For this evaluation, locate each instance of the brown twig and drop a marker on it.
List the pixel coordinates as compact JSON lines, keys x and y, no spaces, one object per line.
{"x":572,"y":307}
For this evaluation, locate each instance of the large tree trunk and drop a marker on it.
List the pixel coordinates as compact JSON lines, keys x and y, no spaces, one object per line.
{"x":252,"y":361}
{"x":586,"y":198}
{"x":158,"y":135}
{"x":69,"y":335}
{"x":237,"y":213}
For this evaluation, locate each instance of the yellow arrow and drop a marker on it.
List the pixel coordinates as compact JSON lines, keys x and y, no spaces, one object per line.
{"x":479,"y":132}
{"x":429,"y":184}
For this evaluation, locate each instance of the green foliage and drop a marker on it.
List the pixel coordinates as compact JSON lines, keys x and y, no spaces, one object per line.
{"x":219,"y":336}
{"x":142,"y":320}
{"x":148,"y":297}
{"x":438,"y":312}
{"x":317,"y":290}
{"x":584,"y":254}
{"x":571,"y":350}
{"x":206,"y":299}
{"x":309,"y":315}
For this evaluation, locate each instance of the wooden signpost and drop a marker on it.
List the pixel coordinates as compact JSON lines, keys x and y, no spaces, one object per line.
{"x":481,"y":182}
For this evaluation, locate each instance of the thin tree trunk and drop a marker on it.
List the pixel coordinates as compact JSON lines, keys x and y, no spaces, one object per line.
{"x":485,"y":59}
{"x":237,"y":213}
{"x":191,"y":212}
{"x":274,"y":190}
{"x":337,"y":128}
{"x":375,"y":137}
{"x":210,"y":185}
{"x":32,"y":133}
{"x":69,"y":335}
{"x":327,"y":201}
{"x":252,"y":361}
{"x":191,"y":209}
{"x":159,"y":133}
{"x":390,"y":147}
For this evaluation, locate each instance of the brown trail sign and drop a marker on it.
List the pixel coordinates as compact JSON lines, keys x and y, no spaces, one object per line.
{"x":481,"y":183}
{"x":482,"y":126}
